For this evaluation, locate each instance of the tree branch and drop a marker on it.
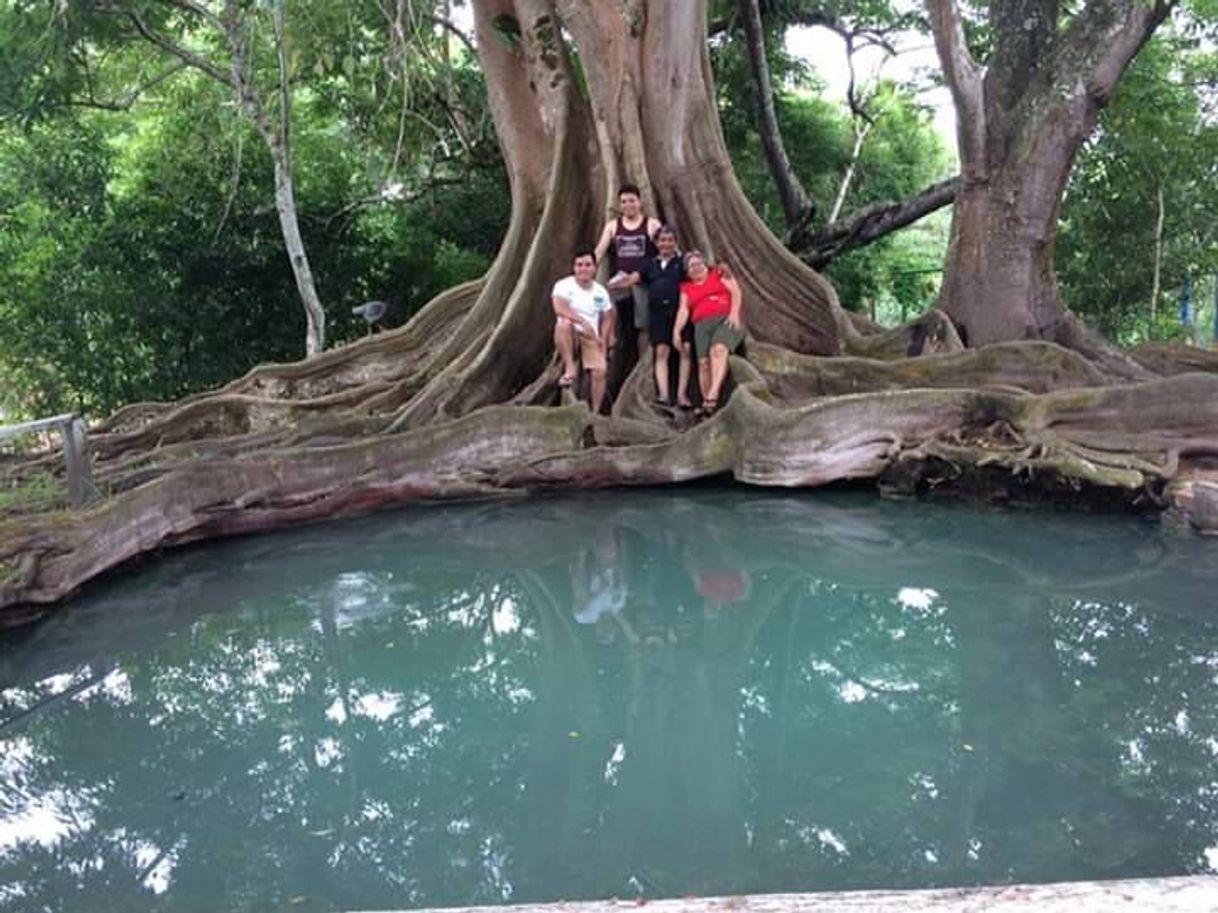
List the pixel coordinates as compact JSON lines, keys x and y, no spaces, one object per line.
{"x":1107,"y":35}
{"x":203,"y":13}
{"x":963,"y":77}
{"x":190,"y":58}
{"x":872,"y":223}
{"x":451,"y":27}
{"x":130,"y":97}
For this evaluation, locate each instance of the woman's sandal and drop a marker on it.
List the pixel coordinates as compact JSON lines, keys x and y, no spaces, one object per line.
{"x":566,"y":380}
{"x":708,"y":407}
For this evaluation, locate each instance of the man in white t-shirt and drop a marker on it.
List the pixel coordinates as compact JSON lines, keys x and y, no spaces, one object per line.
{"x":584,"y":315}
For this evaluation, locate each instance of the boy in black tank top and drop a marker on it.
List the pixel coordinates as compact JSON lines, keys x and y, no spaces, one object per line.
{"x":628,"y":240}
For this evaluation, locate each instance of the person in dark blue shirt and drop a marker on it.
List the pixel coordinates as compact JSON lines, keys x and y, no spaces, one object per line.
{"x":663,"y":275}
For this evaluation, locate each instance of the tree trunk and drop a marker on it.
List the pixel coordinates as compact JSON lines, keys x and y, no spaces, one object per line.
{"x":280,"y":143}
{"x":285,"y":206}
{"x":1021,"y":121}
{"x":795,"y":203}
{"x":648,"y":117}
{"x":860,"y":136}
{"x":1156,"y":284}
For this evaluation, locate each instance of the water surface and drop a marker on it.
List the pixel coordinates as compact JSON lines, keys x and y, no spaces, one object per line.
{"x":623,"y":695}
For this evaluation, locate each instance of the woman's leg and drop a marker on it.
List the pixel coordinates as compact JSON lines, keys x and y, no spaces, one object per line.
{"x":704,"y":377}
{"x":718,"y":370}
{"x":659,"y":355}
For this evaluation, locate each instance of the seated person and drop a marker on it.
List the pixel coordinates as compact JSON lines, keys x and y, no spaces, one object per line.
{"x":584,"y":317}
{"x":663,"y":275}
{"x":712,"y":299}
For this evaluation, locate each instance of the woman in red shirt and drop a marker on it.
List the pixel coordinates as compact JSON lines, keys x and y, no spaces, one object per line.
{"x":711,"y":298}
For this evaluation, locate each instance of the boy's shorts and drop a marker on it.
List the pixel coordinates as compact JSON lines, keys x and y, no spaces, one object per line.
{"x":635,"y":299}
{"x":591,"y":355}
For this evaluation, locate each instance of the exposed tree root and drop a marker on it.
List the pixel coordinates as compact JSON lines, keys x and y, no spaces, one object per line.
{"x":1164,"y":359}
{"x":1144,"y":443}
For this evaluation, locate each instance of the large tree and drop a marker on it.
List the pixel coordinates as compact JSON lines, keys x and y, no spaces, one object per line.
{"x":587,"y":94}
{"x":1022,"y":118}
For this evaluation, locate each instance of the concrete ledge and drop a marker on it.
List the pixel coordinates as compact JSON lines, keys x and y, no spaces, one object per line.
{"x":1194,"y":894}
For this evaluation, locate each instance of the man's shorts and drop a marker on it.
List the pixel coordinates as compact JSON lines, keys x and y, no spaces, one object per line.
{"x":662,"y":318}
{"x":716,"y":331}
{"x":591,"y":355}
{"x":635,"y":300}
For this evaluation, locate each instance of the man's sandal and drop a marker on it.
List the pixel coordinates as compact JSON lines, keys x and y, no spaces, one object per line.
{"x":566,"y":380}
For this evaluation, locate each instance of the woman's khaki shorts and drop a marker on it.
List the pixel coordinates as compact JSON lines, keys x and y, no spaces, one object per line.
{"x":716,"y":331}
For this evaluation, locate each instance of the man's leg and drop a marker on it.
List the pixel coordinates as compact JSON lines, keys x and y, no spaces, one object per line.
{"x":683,"y":372}
{"x":642,"y":304}
{"x":564,"y":341}
{"x":660,"y":355}
{"x":597,"y":376}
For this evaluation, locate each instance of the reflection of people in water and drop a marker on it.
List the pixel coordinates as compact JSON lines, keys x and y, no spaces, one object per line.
{"x":720,"y":587}
{"x":599,"y":586}
{"x":714,"y":578}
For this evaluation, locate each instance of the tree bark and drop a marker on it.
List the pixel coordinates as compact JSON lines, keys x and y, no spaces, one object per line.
{"x":1021,"y":122}
{"x":280,"y":144}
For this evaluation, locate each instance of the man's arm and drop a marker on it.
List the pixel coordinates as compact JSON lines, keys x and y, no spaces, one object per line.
{"x":627,"y":280}
{"x":682,"y":319}
{"x":603,"y":244}
{"x":605,"y":337}
{"x":653,"y":227}
{"x":562,"y":308}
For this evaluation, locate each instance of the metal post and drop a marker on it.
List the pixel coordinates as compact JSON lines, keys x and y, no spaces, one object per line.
{"x":76,"y":452}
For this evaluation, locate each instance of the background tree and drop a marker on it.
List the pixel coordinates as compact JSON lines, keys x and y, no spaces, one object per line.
{"x":1140,"y":202}
{"x":1023,"y":116}
{"x":167,"y":273}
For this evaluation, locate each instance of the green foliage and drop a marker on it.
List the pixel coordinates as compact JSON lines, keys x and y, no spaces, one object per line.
{"x":140,"y":251}
{"x":1156,"y":137}
{"x":893,"y":278}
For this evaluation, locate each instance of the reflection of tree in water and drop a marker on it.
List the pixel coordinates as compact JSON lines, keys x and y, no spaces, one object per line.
{"x":428,"y":722}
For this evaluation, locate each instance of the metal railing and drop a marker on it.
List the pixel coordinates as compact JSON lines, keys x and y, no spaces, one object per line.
{"x":75,"y":450}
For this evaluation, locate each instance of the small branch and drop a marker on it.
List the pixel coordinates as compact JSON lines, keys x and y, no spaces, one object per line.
{"x":451,"y":27}
{"x":190,"y":58}
{"x":131,"y":96}
{"x":860,"y":137}
{"x":234,"y":182}
{"x":203,"y":13}
{"x":874,"y":222}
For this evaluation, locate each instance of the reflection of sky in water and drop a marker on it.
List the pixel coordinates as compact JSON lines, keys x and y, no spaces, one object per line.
{"x":782,"y":693}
